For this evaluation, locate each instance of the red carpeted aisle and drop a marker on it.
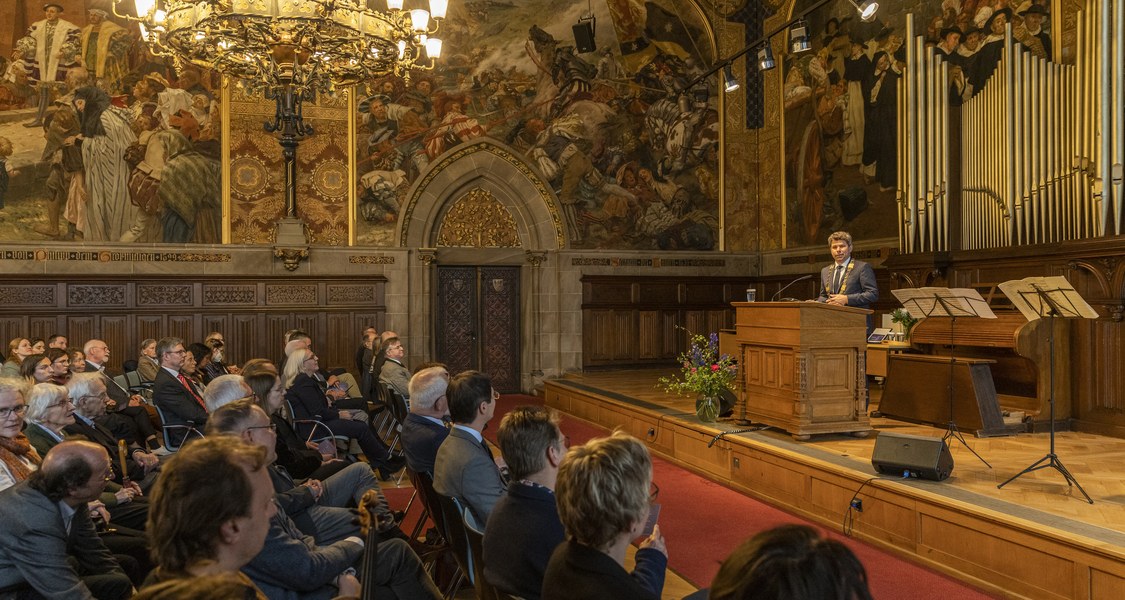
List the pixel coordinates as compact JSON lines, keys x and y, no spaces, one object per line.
{"x":703,"y":522}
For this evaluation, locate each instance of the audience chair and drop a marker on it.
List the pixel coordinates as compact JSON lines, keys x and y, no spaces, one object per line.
{"x":455,"y":534}
{"x":382,"y":420}
{"x":131,"y":380}
{"x":424,"y":487}
{"x":315,"y":425}
{"x":475,"y":534}
{"x":189,"y":430}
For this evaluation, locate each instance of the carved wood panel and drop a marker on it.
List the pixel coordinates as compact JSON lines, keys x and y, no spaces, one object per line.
{"x":478,"y":322}
{"x":455,"y":327}
{"x":149,"y":327}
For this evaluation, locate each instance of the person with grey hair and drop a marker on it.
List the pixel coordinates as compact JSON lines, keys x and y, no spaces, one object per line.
{"x":524,"y":528}
{"x":147,"y":364}
{"x":225,"y":389}
{"x":173,"y":394}
{"x":424,"y":429}
{"x":604,"y":495}
{"x":89,"y":395}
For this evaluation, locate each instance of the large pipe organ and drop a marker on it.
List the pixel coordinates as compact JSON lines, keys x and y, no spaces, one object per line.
{"x":1033,"y":157}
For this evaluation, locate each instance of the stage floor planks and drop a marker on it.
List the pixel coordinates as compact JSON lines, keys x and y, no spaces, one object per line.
{"x":1038,"y":504}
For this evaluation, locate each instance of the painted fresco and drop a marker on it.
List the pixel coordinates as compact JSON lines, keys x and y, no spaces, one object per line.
{"x":840,"y":104}
{"x":634,"y":165}
{"x":100,"y":141}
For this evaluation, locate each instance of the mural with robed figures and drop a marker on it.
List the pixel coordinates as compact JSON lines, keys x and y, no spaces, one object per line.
{"x":840,"y":103}
{"x":634,"y":164}
{"x":100,"y":141}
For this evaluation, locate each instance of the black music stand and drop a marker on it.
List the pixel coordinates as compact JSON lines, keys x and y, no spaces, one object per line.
{"x":944,"y":302}
{"x":1053,"y":298}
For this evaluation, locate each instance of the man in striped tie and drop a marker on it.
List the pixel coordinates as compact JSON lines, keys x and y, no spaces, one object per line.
{"x":172,"y":393}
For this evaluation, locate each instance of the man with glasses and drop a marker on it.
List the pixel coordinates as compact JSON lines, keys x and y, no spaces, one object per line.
{"x":524,"y":528}
{"x":48,"y":545}
{"x":128,"y":417}
{"x":89,"y":395}
{"x":424,"y":429}
{"x":465,"y":467}
{"x":393,"y":372}
{"x":174,"y":395}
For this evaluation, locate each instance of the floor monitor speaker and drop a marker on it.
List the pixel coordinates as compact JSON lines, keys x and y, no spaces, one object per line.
{"x":912,"y":456}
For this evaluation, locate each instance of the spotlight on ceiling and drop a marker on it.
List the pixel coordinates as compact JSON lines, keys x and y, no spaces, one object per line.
{"x":765,"y":59}
{"x":730,"y":84}
{"x":799,"y":37}
{"x":867,"y":9}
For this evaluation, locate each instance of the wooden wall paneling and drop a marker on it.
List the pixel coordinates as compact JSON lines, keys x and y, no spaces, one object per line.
{"x":217,"y":321}
{"x":671,"y":337}
{"x":183,"y":326}
{"x":695,"y":321}
{"x":707,"y":292}
{"x":11,"y":327}
{"x":148,"y":326}
{"x":650,"y":335}
{"x":718,"y":319}
{"x":312,"y":324}
{"x":658,"y":293}
{"x":42,"y":326}
{"x":625,"y":330}
{"x":79,"y":329}
{"x":597,"y":336}
{"x":114,"y":331}
{"x":274,"y":342}
{"x":246,"y":339}
{"x":341,"y":331}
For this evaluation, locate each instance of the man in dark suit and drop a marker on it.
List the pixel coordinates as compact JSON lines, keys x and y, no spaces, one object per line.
{"x":524,"y":528}
{"x":172,"y":393}
{"x":48,"y":542}
{"x":424,"y":429}
{"x":127,"y":417}
{"x":465,"y":467}
{"x":87,"y":391}
{"x":847,"y":282}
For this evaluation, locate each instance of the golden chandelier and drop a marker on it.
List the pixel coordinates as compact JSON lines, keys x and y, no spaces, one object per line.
{"x":307,"y":46}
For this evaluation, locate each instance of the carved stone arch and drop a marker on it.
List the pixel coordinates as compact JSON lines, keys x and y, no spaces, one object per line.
{"x":503,"y":173}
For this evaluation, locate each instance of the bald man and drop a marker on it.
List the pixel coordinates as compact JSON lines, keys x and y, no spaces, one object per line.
{"x":48,"y":543}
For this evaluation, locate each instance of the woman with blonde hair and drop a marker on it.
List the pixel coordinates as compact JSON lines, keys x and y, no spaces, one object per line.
{"x":18,"y":349}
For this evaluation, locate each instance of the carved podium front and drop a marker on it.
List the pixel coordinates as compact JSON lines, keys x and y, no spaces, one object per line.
{"x":803,"y":366}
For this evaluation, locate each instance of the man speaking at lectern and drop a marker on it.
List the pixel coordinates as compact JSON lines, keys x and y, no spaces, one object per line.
{"x":848,"y":282}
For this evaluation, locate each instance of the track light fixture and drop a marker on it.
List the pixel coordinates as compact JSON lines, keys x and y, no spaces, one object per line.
{"x":765,"y":58}
{"x":799,"y":37}
{"x":730,"y":84}
{"x":867,"y":9}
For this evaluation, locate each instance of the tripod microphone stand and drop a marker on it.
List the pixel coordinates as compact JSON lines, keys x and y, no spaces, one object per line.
{"x":1051,"y":459}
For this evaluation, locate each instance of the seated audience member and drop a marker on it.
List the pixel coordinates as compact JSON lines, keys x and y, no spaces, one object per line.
{"x":173,"y":394}
{"x":57,"y":340}
{"x":363,"y":355}
{"x":310,"y":402}
{"x":524,"y":528}
{"x":424,"y":429}
{"x":603,"y":495}
{"x":49,"y":411}
{"x":465,"y":467}
{"x":219,"y":586}
{"x":196,"y":354}
{"x":38,"y":345}
{"x":791,"y":561}
{"x":380,"y":355}
{"x":36,"y":369}
{"x":18,"y":458}
{"x":77,"y":360}
{"x":223,"y":390}
{"x":211,"y":510}
{"x":60,"y":366}
{"x":337,"y":383}
{"x":216,"y":365}
{"x":125,"y":406}
{"x":394,"y":373}
{"x":18,"y":349}
{"x":48,"y":543}
{"x":259,"y":365}
{"x":146,"y":362}
{"x":301,"y":458}
{"x":88,"y":393}
{"x":319,"y":508}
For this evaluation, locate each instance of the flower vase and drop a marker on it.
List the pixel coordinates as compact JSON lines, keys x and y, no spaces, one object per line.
{"x":707,"y":408}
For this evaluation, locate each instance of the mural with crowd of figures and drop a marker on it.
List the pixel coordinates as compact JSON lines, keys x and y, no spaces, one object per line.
{"x":99,"y":140}
{"x":841,"y":96}
{"x":634,"y":163}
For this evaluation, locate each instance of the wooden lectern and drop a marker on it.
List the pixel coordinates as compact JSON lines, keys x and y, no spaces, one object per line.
{"x":803,"y":366}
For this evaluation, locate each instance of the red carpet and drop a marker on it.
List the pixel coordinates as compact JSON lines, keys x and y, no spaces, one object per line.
{"x":703,"y":522}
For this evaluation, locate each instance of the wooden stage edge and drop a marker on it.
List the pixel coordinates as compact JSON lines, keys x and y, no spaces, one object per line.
{"x":1001,"y":546}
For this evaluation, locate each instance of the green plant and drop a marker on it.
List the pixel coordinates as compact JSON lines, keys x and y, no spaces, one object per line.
{"x":705,"y":371}
{"x":903,"y":318}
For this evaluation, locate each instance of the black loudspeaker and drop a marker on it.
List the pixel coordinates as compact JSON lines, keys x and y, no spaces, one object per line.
{"x":912,"y":456}
{"x":584,"y":36}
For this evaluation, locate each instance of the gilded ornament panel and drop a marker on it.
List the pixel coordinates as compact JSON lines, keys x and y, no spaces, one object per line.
{"x":478,"y":220}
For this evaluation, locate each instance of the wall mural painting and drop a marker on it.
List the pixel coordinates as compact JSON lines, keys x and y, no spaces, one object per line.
{"x":634,"y":166}
{"x":99,"y":140}
{"x":257,"y":175}
{"x":840,"y":103}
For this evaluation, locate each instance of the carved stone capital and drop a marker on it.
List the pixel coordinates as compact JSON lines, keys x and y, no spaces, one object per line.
{"x":536,"y":258}
{"x":291,"y":257}
{"x":427,"y":255}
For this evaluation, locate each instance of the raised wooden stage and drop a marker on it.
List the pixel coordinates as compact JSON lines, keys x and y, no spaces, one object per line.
{"x":1036,"y":538}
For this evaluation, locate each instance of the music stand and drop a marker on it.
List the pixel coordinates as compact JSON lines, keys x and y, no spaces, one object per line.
{"x":944,"y":302}
{"x":1053,"y":298}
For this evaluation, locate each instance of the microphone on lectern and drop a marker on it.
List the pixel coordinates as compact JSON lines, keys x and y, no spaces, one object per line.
{"x":788,"y":285}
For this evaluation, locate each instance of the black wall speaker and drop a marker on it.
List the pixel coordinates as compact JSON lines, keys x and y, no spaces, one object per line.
{"x":584,"y":36}
{"x":912,"y":456}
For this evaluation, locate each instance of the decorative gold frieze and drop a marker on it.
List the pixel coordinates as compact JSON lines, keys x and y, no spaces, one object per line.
{"x":478,"y":220}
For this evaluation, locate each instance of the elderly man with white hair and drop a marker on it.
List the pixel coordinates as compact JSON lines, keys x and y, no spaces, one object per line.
{"x":87,"y":391}
{"x":225,"y":389}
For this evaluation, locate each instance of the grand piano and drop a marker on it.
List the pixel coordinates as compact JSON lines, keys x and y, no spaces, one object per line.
{"x":1001,"y":366}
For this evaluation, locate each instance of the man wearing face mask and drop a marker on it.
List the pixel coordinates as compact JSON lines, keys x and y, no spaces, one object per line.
{"x":217,"y":365}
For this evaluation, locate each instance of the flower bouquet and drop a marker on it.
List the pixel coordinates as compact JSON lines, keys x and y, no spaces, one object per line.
{"x":706,"y":373}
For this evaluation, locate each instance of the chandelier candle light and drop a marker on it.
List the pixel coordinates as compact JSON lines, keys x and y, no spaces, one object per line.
{"x":290,"y":50}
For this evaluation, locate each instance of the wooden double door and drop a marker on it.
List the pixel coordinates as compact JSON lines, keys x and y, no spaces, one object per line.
{"x":477,"y":322}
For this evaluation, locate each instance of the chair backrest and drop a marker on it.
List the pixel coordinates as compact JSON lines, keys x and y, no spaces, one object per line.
{"x":455,"y":534}
{"x":187,"y":429}
{"x":395,"y":402}
{"x":475,"y":535}
{"x":424,"y":486}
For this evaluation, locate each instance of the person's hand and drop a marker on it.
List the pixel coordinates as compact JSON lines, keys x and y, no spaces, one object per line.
{"x":136,"y":400}
{"x":134,"y":488}
{"x":147,"y":460}
{"x":312,"y":445}
{"x":838,"y":299}
{"x":316,"y":486}
{"x":348,"y":585}
{"x":336,"y":394}
{"x":655,"y":541}
{"x":110,"y":404}
{"x":98,"y":510}
{"x":233,"y":370}
{"x":123,"y":495}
